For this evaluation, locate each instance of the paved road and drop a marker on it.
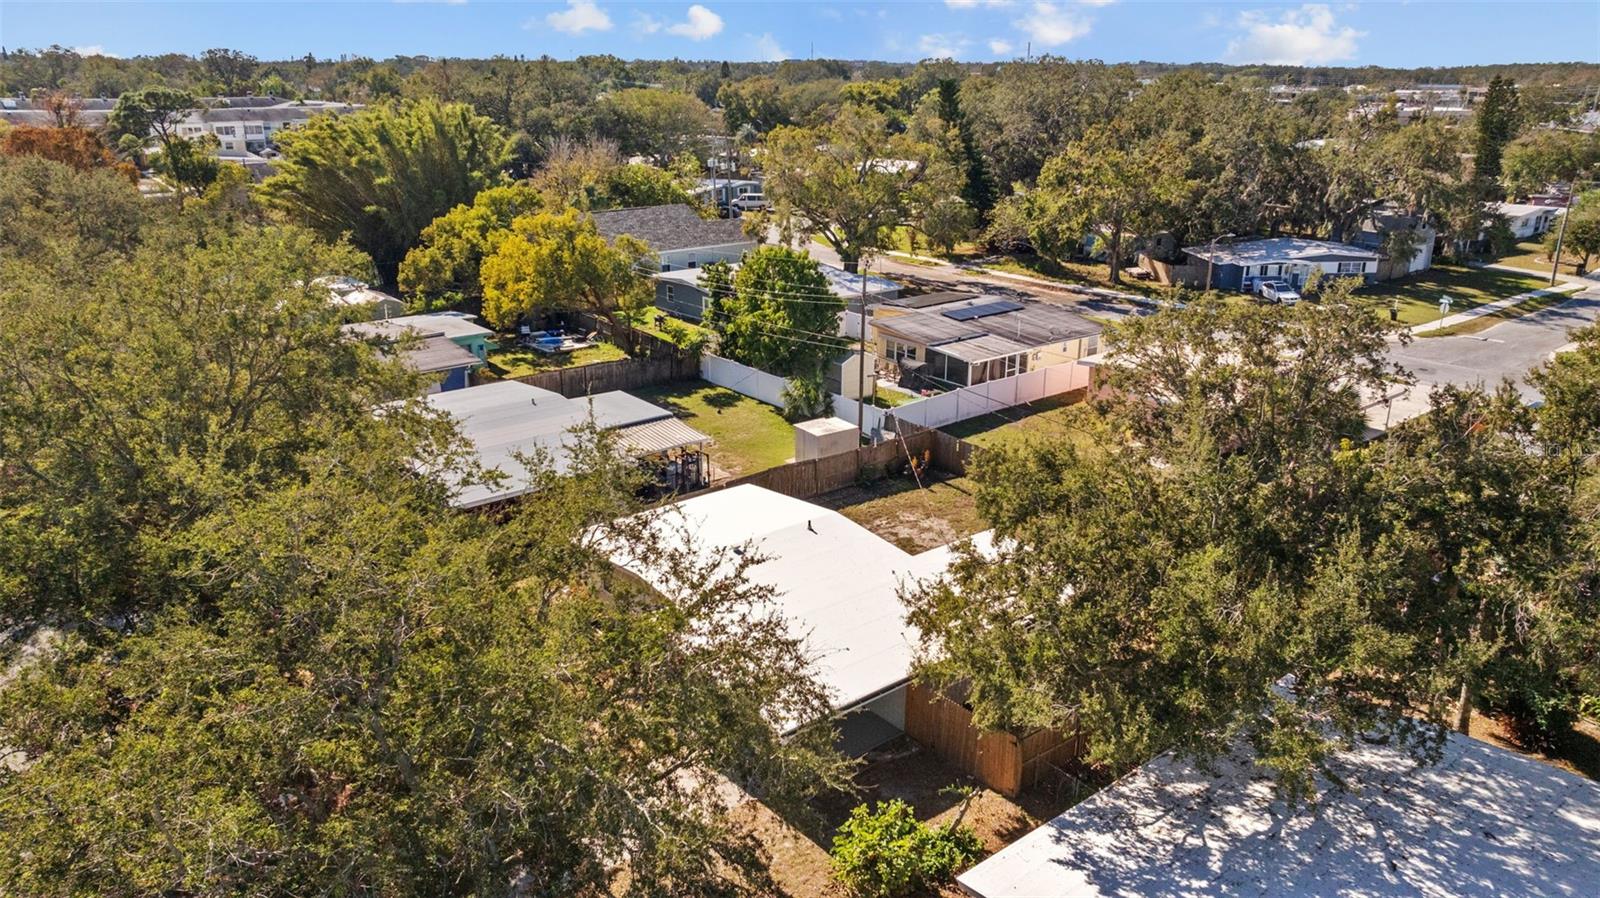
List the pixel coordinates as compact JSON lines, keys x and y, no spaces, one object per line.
{"x":1507,"y":350}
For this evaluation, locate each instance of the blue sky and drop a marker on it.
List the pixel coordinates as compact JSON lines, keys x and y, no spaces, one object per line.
{"x":1391,"y":32}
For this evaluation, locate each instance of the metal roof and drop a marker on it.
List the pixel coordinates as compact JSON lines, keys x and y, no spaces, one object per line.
{"x":969,"y":312}
{"x":980,"y":349}
{"x":660,"y":436}
{"x":1481,"y":822}
{"x":506,"y":420}
{"x":437,"y":325}
{"x":841,"y":283}
{"x":438,"y":354}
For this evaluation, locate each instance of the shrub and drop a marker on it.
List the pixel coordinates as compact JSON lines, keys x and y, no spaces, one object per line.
{"x":806,"y":398}
{"x":886,"y":853}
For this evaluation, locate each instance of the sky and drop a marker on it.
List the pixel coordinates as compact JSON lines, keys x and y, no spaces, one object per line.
{"x":1380,"y":32}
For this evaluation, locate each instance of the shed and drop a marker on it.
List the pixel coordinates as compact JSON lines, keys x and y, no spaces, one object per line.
{"x":821,"y":437}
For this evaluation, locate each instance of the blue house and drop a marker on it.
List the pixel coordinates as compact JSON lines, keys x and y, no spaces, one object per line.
{"x":448,"y":344}
{"x":1244,"y":264}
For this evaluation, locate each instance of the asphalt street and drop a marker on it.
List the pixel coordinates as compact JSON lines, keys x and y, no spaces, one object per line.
{"x":1508,"y":350}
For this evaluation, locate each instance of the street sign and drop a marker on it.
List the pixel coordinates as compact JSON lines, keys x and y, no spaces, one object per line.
{"x":1444,"y":305}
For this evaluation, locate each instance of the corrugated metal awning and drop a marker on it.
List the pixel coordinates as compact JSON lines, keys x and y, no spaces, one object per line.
{"x":659,"y":436}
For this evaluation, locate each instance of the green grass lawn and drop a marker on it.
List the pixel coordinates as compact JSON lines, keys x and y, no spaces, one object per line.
{"x":1418,"y":295}
{"x":1531,"y":254}
{"x":750,"y":436}
{"x":513,"y":361}
{"x":914,"y":518}
{"x":1082,"y":274}
{"x":1061,"y":418}
{"x":892,"y":398}
{"x":675,"y":330}
{"x":906,"y":240}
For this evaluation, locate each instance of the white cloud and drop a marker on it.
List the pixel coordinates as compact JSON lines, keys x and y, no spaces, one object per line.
{"x":942,"y":46}
{"x":767,"y":48}
{"x":1097,"y":2}
{"x":1304,"y":36}
{"x":1001,"y":47}
{"x":1049,"y":25}
{"x":701,"y":24}
{"x":646,"y":24}
{"x":578,"y":17}
{"x":94,"y":50}
{"x":974,"y":4}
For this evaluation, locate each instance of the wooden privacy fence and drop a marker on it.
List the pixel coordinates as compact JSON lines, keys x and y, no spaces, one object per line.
{"x":999,"y":759}
{"x":622,"y":374}
{"x":805,"y":479}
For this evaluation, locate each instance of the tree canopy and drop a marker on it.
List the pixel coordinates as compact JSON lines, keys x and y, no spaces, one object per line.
{"x":555,"y":261}
{"x":779,"y":313}
{"x":382,"y":175}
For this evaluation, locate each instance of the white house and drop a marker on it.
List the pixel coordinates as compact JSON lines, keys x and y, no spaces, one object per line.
{"x":677,"y":234}
{"x":1243,"y":264}
{"x":1483,"y":822}
{"x":1525,"y":220}
{"x":248,"y":124}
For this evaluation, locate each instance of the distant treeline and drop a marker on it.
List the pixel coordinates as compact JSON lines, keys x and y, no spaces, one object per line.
{"x":222,"y":71}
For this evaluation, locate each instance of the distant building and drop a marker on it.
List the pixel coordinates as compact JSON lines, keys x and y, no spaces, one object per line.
{"x":677,"y":234}
{"x":242,"y":125}
{"x":1374,"y":231}
{"x":679,"y":292}
{"x":349,"y":293}
{"x":448,"y":344}
{"x":1243,"y":264}
{"x":1526,"y":220}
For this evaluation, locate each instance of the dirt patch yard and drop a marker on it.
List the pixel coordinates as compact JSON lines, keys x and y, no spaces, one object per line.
{"x":798,"y":857}
{"x":915,"y":518}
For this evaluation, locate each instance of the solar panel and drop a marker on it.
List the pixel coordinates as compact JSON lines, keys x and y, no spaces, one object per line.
{"x":983,"y":310}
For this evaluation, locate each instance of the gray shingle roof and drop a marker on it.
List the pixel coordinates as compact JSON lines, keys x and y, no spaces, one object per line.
{"x":671,"y":227}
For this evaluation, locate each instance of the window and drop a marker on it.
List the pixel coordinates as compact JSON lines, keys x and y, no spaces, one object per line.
{"x":1352,"y":267}
{"x":225,"y":131}
{"x":897,"y":350}
{"x":1092,"y":345}
{"x":252,"y":129}
{"x":670,"y":297}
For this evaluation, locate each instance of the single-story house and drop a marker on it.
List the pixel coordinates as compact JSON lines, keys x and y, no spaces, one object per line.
{"x":837,"y":586}
{"x":1482,"y":822}
{"x":1376,"y":228}
{"x":447,"y":344}
{"x":678,"y":291}
{"x":1242,"y":264}
{"x":1526,"y":220}
{"x":677,"y":234}
{"x":722,"y":191}
{"x":507,"y":421}
{"x":457,"y":327}
{"x":963,"y":339}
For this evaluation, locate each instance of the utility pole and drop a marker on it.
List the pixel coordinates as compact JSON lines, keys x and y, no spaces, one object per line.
{"x":861,"y":364}
{"x":1561,"y":235}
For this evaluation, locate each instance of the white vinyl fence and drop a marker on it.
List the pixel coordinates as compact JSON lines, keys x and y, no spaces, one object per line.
{"x":932,"y":411}
{"x":744,"y":379}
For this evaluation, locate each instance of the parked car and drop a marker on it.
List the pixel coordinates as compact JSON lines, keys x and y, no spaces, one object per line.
{"x":1277,"y":291}
{"x":750,"y":202}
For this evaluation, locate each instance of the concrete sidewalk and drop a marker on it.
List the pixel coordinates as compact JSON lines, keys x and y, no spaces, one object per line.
{"x":1489,"y":308}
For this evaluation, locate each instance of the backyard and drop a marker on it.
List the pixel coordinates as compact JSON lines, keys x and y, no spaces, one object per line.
{"x":750,"y":435}
{"x":798,"y":850}
{"x":1060,"y":418}
{"x":914,"y":518}
{"x":517,"y":361}
{"x":1418,"y":296}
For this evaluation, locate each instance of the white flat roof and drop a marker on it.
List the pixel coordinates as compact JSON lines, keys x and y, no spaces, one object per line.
{"x":445,"y":324}
{"x":836,"y":582}
{"x":1482,"y":822}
